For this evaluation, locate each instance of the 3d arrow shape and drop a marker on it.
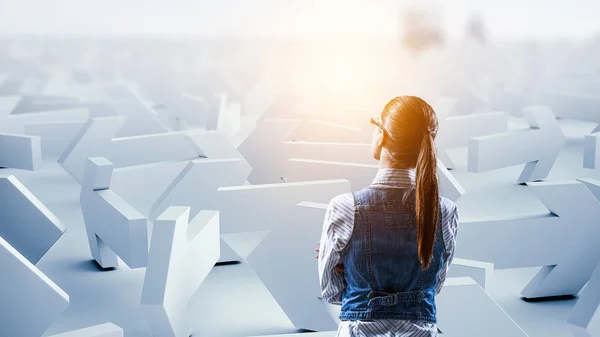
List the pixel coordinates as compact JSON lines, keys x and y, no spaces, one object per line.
{"x":131,"y":182}
{"x":574,"y":105}
{"x":455,"y":132}
{"x":197,"y":184}
{"x":96,"y":139}
{"x":587,"y":306}
{"x":536,"y":148}
{"x":7,"y":105}
{"x":55,"y":137}
{"x":182,"y":253}
{"x":262,"y":149}
{"x":16,"y":123}
{"x":591,"y":150}
{"x":141,"y":119}
{"x":268,"y":153}
{"x":259,"y":208}
{"x":90,"y":141}
{"x":562,"y":241}
{"x":30,"y":300}
{"x":20,"y":152}
{"x":188,"y":111}
{"x":114,"y":228}
{"x":294,"y":238}
{"x":25,"y":223}
{"x":360,"y":175}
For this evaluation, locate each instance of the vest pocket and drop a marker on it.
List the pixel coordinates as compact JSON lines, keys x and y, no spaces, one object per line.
{"x":382,"y":299}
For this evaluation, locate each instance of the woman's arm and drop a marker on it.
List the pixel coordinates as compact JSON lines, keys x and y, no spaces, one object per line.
{"x":450,"y":222}
{"x":337,"y":231}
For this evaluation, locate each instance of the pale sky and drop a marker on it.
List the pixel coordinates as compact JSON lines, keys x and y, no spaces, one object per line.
{"x":504,"y":18}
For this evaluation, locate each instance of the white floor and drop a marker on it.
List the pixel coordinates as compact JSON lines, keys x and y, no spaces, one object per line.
{"x":233,"y":302}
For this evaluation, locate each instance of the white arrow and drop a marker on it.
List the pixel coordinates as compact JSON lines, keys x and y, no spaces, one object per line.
{"x":573,"y":105}
{"x":268,"y":153}
{"x":360,"y":175}
{"x":536,"y":148}
{"x":131,"y":182}
{"x":587,"y":306}
{"x":15,"y":123}
{"x":301,"y":227}
{"x":455,"y":132}
{"x":563,"y":240}
{"x":182,"y":253}
{"x":197,"y":184}
{"x":114,"y":228}
{"x":25,"y":223}
{"x":95,"y":139}
{"x":7,"y":105}
{"x":20,"y":152}
{"x":141,"y":119}
{"x":294,"y":238}
{"x":30,"y":300}
{"x":591,"y":150}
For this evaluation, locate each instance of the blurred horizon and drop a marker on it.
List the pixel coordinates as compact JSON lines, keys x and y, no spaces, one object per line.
{"x":292,"y":19}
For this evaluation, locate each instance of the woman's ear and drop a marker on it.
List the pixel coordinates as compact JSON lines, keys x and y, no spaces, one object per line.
{"x":381,"y":138}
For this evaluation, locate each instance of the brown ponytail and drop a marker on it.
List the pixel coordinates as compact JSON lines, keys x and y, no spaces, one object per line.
{"x":412,"y":125}
{"x":427,"y":203}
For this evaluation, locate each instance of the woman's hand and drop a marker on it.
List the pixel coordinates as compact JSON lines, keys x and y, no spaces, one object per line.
{"x":317,"y":250}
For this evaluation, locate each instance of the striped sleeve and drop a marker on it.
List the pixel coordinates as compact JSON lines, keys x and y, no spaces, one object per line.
{"x":337,"y":231}
{"x":450,"y":220}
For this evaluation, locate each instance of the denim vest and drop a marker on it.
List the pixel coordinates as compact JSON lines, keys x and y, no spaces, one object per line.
{"x":382,"y":270}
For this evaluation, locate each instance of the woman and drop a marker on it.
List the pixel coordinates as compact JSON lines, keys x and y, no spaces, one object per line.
{"x":385,"y":250}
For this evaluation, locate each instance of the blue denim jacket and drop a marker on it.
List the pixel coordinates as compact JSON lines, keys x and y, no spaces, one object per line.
{"x":381,"y":264}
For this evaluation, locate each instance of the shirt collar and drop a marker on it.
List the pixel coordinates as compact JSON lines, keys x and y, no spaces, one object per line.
{"x":394,"y":177}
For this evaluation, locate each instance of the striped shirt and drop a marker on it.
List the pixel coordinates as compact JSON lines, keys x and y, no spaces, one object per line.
{"x":337,"y":231}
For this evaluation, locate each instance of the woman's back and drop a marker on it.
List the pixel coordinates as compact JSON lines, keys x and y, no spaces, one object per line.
{"x":384,"y":274}
{"x":385,"y":250}
{"x":339,"y":238}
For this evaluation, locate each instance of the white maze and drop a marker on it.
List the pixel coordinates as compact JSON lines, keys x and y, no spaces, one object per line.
{"x":567,"y":249}
{"x":360,"y":175}
{"x":30,"y":300}
{"x":299,"y":229}
{"x":170,"y":199}
{"x":25,"y":223}
{"x":141,"y":120}
{"x":54,"y":136}
{"x":537,"y":148}
{"x":182,"y":253}
{"x":456,"y":131}
{"x":242,"y":208}
{"x":576,"y":105}
{"x":114,"y":228}
{"x":17,"y":122}
{"x":591,"y":151}
{"x":587,"y":306}
{"x":95,"y":139}
{"x":20,"y":151}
